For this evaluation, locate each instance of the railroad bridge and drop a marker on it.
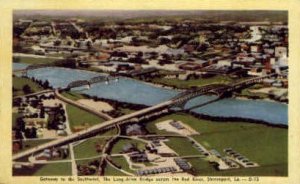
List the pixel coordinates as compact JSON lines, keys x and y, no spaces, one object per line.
{"x":91,"y":81}
{"x":141,"y":114}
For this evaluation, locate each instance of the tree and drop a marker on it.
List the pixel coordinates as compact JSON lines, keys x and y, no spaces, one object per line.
{"x":27,"y":89}
{"x":46,"y":84}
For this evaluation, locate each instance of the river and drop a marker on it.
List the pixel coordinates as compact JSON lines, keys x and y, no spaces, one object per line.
{"x":133,"y":91}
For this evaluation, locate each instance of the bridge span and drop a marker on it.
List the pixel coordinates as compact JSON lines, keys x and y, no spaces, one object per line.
{"x":133,"y":116}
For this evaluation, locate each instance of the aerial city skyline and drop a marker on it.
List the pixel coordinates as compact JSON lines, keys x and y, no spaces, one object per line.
{"x":150,"y":93}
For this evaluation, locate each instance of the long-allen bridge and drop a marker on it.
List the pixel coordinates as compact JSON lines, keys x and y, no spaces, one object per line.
{"x":220,"y":90}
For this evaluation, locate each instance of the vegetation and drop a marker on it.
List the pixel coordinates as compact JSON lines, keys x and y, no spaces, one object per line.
{"x":89,"y":148}
{"x":23,"y":86}
{"x":266,"y":146}
{"x":73,"y":95}
{"x":118,"y":147}
{"x":28,"y":144}
{"x":79,"y":117}
{"x":193,"y":82}
{"x":33,"y":60}
{"x":54,"y":169}
{"x":122,"y":163}
{"x":125,"y":110}
{"x":177,"y":144}
{"x":201,"y":167}
{"x":260,"y":143}
{"x":110,"y":171}
{"x":84,"y":161}
{"x":200,"y":125}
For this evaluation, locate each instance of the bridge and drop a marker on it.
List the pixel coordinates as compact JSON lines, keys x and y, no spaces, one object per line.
{"x":130,"y":118}
{"x":91,"y":81}
{"x":219,"y":90}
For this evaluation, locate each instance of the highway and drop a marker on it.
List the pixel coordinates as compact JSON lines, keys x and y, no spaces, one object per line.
{"x":124,"y":119}
{"x":91,"y":130}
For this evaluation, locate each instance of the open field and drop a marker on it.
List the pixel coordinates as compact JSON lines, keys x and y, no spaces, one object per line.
{"x":202,"y":167}
{"x":263,"y":144}
{"x":53,"y":169}
{"x":87,"y":148}
{"x":33,"y":60}
{"x":177,"y":144}
{"x":73,"y":95}
{"x":266,"y":146}
{"x":19,"y":82}
{"x":121,"y":161}
{"x":78,"y":117}
{"x":193,"y":82}
{"x":110,"y":171}
{"x":200,"y":125}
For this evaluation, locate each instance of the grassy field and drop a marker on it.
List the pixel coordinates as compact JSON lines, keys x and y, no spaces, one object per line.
{"x":117,"y":148}
{"x":110,"y":171}
{"x":177,"y":144}
{"x":200,"y":125}
{"x":79,"y":117}
{"x":32,"y":60}
{"x":266,"y":146}
{"x":86,"y":161}
{"x":121,"y":161}
{"x":193,"y":82}
{"x":54,"y":169}
{"x":19,"y":82}
{"x":260,"y":143}
{"x":73,"y":95}
{"x":202,"y":167}
{"x":87,"y":148}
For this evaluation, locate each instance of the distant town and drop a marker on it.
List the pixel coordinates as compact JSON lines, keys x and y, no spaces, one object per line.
{"x":184,"y":93}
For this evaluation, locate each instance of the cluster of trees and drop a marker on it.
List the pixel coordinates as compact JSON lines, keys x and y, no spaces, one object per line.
{"x":56,"y":118}
{"x":88,"y":169}
{"x":44,"y":84}
{"x":20,"y":130}
{"x":68,"y":63}
{"x":27,"y":89}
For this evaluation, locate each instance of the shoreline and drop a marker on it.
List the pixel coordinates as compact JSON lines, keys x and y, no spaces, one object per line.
{"x":162,"y":86}
{"x":197,"y":115}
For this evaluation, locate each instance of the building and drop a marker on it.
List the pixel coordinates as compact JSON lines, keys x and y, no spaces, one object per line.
{"x":138,"y":157}
{"x":134,"y":130}
{"x":183,"y":164}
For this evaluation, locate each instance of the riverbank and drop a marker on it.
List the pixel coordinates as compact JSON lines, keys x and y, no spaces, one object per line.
{"x":117,"y":104}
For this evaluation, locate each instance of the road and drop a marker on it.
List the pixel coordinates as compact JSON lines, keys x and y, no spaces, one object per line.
{"x":36,"y":93}
{"x":91,"y":130}
{"x":113,"y":122}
